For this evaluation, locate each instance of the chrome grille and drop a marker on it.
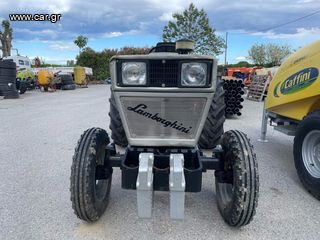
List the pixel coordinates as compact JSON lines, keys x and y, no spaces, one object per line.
{"x":163,"y":117}
{"x":163,"y":72}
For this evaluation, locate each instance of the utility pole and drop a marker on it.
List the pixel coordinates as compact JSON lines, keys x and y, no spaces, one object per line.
{"x":226,"y":49}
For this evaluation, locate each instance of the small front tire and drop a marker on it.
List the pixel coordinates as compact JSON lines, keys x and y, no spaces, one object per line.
{"x":91,"y":175}
{"x":237,"y":185}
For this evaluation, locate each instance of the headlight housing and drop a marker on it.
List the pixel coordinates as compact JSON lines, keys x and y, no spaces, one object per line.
{"x":194,"y":74}
{"x":134,"y":73}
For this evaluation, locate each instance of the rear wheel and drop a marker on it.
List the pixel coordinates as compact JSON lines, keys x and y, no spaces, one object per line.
{"x":213,"y":127}
{"x":91,"y":175}
{"x":117,"y":131}
{"x":237,"y":185}
{"x":307,"y":153}
{"x":22,"y":87}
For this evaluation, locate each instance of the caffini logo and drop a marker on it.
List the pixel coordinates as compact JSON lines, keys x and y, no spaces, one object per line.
{"x":300,"y":80}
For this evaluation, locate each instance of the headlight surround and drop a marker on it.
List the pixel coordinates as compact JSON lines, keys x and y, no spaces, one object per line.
{"x":194,"y":74}
{"x":134,"y":73}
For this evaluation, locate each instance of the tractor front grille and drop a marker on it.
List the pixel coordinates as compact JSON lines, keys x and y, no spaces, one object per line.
{"x":163,"y":73}
{"x":163,"y":117}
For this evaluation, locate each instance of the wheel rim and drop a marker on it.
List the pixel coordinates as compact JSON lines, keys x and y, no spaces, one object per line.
{"x":102,"y":186}
{"x":311,"y":153}
{"x":225,"y":191}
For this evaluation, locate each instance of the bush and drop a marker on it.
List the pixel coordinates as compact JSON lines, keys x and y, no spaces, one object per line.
{"x":99,"y":61}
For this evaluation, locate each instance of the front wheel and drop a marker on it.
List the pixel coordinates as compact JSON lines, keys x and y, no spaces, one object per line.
{"x":91,"y":175}
{"x":307,"y":153}
{"x":237,"y":185}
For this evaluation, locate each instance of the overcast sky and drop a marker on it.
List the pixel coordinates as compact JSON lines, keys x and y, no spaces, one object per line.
{"x":114,"y":24}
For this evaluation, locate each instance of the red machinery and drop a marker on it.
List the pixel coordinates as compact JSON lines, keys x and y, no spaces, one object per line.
{"x":244,"y":73}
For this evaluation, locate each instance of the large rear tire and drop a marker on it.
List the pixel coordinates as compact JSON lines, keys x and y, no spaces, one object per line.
{"x":237,"y":185}
{"x":117,"y":131}
{"x":91,"y":175}
{"x":213,"y":127}
{"x":306,"y":152}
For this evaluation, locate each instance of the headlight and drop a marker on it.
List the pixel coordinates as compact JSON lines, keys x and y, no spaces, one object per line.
{"x":134,"y":73}
{"x":193,"y":74}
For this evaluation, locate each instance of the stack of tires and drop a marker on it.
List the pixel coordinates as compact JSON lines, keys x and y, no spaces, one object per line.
{"x":67,"y":82}
{"x":8,"y":75}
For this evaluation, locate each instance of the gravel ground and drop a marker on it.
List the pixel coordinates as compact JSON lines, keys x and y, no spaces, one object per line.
{"x":38,"y":133}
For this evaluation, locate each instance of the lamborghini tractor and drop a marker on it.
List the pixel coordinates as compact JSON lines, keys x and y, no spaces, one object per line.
{"x":165,"y":108}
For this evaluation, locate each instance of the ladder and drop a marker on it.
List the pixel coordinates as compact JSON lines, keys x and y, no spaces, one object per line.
{"x":258,"y":88}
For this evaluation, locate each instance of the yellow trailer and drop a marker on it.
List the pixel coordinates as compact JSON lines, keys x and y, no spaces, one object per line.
{"x":293,"y":107}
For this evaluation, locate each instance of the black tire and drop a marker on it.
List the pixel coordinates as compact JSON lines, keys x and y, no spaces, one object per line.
{"x":68,"y":87}
{"x":89,"y":191}
{"x":11,"y":95}
{"x":237,"y":186}
{"x":45,"y":88}
{"x":9,"y":64}
{"x":9,"y":73}
{"x":213,"y":126}
{"x":9,"y":90}
{"x":66,"y":79}
{"x":118,"y":134}
{"x":309,"y":178}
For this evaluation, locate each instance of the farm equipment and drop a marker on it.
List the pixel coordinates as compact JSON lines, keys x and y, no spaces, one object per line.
{"x":243,"y":73}
{"x":293,"y":107}
{"x":45,"y":80}
{"x":165,"y":107}
{"x":80,"y":77}
{"x":25,"y":80}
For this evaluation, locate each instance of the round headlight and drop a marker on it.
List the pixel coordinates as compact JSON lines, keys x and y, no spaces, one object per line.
{"x":134,"y":73}
{"x":193,"y":74}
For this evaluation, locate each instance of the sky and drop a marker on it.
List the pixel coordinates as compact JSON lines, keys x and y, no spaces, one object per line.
{"x":115,"y":24}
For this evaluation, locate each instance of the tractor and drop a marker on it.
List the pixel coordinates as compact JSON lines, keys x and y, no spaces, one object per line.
{"x":166,"y":107}
{"x":292,"y":107}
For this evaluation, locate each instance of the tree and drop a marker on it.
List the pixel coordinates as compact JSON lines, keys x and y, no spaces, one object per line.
{"x":257,"y":53}
{"x":193,"y":24}
{"x":6,"y":38}
{"x":268,"y":55}
{"x":99,"y":61}
{"x":81,"y":42}
{"x":276,"y":53}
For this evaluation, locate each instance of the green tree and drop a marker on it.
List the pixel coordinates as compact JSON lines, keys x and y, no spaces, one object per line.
{"x":6,"y":38}
{"x":99,"y":61}
{"x":257,"y":53}
{"x":275,"y":54}
{"x":194,"y":24}
{"x":81,"y":42}
{"x":269,"y":55}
